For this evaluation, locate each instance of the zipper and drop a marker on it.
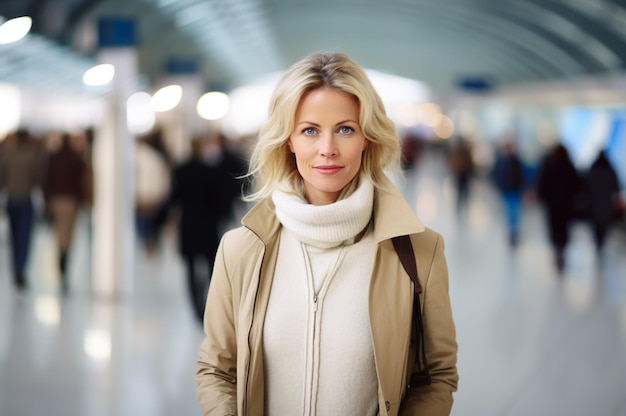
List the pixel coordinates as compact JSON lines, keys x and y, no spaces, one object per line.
{"x":313,"y":389}
{"x":309,"y":408}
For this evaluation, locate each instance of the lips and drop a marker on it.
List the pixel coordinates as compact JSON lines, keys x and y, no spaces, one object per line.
{"x":327,"y":169}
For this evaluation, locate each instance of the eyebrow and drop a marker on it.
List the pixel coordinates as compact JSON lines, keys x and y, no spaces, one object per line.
{"x":317,"y":125}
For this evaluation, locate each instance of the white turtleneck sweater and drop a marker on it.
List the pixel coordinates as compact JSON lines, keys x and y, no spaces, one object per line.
{"x":317,"y":345}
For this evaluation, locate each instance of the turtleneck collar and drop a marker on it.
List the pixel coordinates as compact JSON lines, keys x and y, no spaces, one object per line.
{"x":326,"y":226}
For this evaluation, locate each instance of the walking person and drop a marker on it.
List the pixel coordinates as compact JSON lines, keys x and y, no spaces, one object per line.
{"x":20,"y":176}
{"x":558,"y":183}
{"x":462,"y":168}
{"x":204,"y":191}
{"x":508,"y":175}
{"x":310,"y":309}
{"x":602,"y":190}
{"x":153,"y":173}
{"x":64,"y":193}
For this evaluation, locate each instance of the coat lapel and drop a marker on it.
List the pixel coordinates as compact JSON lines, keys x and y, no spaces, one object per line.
{"x":390,"y":303}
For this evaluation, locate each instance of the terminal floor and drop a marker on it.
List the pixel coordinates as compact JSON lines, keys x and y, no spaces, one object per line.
{"x":530,"y":342}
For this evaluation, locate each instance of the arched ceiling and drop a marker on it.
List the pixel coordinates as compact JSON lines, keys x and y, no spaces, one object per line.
{"x":438,"y":42}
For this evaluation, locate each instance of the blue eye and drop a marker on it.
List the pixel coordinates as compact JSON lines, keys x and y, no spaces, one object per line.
{"x":345,"y":130}
{"x":309,"y":131}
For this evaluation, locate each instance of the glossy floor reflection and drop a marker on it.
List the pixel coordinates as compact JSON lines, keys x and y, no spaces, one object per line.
{"x":530,"y":343}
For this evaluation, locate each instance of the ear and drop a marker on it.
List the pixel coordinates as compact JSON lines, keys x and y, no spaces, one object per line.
{"x":366,"y":142}
{"x":290,"y":145}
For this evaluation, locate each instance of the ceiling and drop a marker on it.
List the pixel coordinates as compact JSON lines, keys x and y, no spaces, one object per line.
{"x":444,"y":43}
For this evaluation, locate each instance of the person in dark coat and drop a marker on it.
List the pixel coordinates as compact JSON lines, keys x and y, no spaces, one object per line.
{"x":63,"y":191}
{"x":602,"y":189}
{"x":558,"y":183}
{"x":204,"y":189}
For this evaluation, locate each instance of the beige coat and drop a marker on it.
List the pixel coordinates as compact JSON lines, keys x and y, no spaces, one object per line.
{"x":230,"y":368}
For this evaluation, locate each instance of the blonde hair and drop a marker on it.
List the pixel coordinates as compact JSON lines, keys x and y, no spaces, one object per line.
{"x":272,"y":162}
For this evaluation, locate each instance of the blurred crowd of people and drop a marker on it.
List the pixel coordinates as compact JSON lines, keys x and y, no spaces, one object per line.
{"x":199,"y":194}
{"x":566,"y":194}
{"x":44,"y":177}
{"x":49,"y":178}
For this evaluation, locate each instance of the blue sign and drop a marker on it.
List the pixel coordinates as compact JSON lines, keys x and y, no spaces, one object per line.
{"x":116,"y":32}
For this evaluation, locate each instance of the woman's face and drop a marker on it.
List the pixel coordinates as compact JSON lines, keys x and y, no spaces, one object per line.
{"x":328,"y":143}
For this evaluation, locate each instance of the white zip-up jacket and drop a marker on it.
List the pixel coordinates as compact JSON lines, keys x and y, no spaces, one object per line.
{"x":317,"y":330}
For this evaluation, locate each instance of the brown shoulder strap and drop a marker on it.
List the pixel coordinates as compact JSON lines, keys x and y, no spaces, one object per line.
{"x":403,"y":246}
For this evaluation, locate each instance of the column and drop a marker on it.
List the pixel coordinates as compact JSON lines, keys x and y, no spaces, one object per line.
{"x":113,"y":153}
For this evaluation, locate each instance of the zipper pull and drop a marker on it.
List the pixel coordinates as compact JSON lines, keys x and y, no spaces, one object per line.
{"x":315,"y":303}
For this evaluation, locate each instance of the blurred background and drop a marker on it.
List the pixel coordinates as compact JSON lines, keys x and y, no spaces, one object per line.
{"x":124,"y":126}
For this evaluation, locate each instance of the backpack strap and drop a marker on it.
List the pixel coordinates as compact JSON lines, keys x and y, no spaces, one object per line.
{"x":404,"y":248}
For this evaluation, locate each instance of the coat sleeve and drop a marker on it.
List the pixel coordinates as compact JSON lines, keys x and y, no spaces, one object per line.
{"x":216,"y":376}
{"x":440,"y":342}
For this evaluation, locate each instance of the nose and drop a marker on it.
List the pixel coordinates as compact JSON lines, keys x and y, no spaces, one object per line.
{"x":328,"y":146}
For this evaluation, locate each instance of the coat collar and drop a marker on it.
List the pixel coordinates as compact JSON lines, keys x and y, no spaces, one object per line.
{"x":392,"y":216}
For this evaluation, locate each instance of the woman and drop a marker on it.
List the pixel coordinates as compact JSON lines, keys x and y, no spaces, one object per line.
{"x":309,"y":309}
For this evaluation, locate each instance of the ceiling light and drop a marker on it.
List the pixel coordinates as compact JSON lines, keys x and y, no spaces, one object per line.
{"x":15,"y":29}
{"x":444,"y":127}
{"x":99,"y":75}
{"x":167,"y":98}
{"x":213,"y":105}
{"x":140,"y":116}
